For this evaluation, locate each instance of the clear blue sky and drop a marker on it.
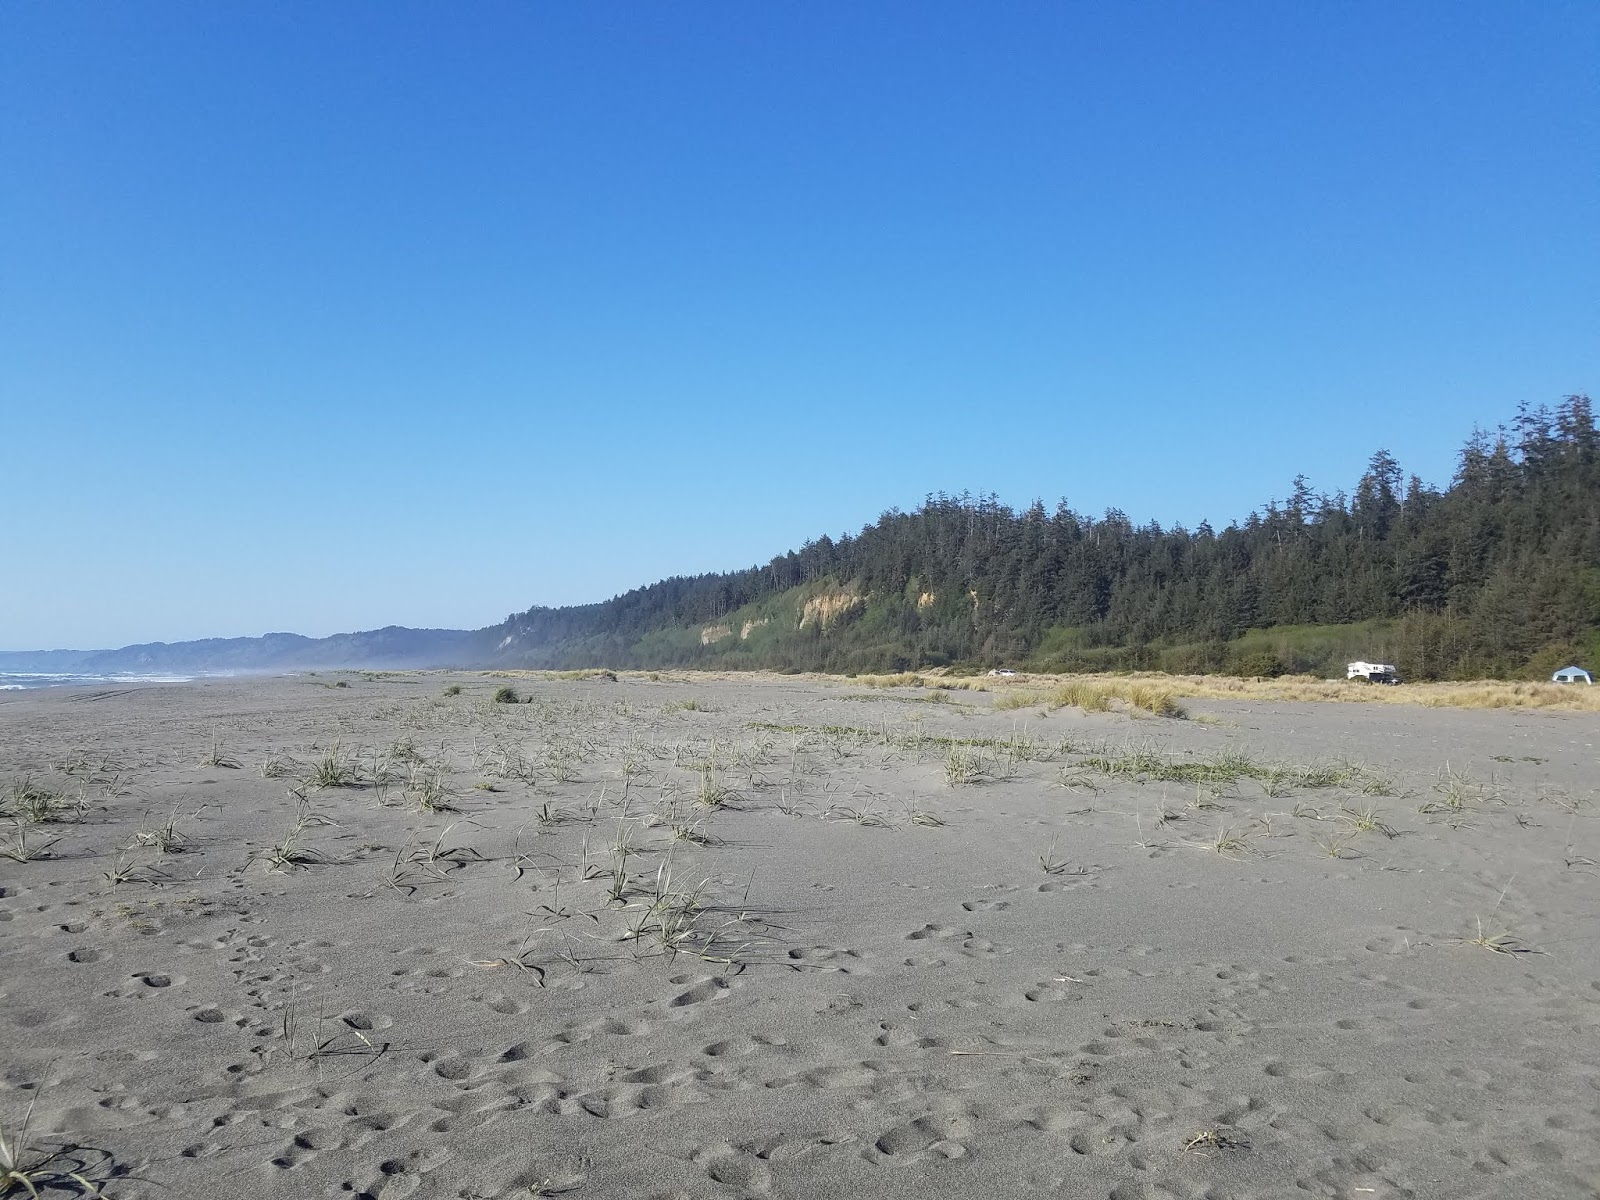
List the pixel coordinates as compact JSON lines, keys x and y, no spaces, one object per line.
{"x":318,"y":317}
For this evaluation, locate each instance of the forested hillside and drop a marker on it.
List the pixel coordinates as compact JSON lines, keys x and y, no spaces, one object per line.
{"x":1497,"y":574}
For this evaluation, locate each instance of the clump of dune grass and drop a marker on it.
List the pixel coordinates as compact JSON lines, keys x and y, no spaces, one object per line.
{"x":1458,"y":791}
{"x":165,"y":838}
{"x":23,"y":797}
{"x":1081,"y":694}
{"x":864,"y":815}
{"x":27,"y":801}
{"x":561,"y":758}
{"x":1051,"y":865}
{"x":677,"y":919}
{"x":35,"y":1170}
{"x":1336,"y":845}
{"x":789,"y":803}
{"x":1226,"y":842}
{"x":290,"y":851}
{"x":711,"y":793}
{"x":216,"y":757}
{"x":1097,"y":695}
{"x":127,"y":867}
{"x":1010,"y":700}
{"x":1368,"y":820}
{"x":276,"y":766}
{"x":691,"y":704}
{"x":900,"y":679}
{"x":453,"y":690}
{"x":506,"y":694}
{"x":335,"y":769}
{"x":19,"y":848}
{"x":918,"y":816}
{"x":405,"y":750}
{"x":1156,"y":700}
{"x":426,"y":789}
{"x":965,"y":765}
{"x":412,"y":869}
{"x":1498,"y":941}
{"x":685,"y":830}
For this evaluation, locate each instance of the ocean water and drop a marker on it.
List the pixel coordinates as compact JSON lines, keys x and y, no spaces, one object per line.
{"x":13,"y":681}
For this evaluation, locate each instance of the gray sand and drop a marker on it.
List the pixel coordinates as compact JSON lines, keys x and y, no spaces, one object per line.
{"x":849,"y":978}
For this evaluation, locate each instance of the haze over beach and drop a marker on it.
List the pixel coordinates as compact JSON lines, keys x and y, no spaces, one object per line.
{"x":722,"y":603}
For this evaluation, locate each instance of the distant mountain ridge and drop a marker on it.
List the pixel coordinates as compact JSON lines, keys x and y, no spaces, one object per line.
{"x":393,"y":648}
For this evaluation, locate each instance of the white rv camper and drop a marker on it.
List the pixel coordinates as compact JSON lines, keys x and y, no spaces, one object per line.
{"x":1372,"y":672}
{"x":1572,"y":675}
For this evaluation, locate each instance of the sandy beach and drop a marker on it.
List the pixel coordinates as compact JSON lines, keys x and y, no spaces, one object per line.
{"x":687,"y":937}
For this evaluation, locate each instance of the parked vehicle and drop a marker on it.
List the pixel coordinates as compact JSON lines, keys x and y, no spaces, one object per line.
{"x":1372,"y":672}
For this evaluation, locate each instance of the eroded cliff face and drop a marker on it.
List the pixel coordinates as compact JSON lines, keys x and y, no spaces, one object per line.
{"x":828,"y":607}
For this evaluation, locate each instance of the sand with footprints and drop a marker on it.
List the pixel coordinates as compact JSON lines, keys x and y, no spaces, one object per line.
{"x":352,"y":935}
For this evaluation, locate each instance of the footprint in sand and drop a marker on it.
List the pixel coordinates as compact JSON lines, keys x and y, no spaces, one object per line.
{"x":395,"y":1177}
{"x":974,"y":947}
{"x":706,"y":989}
{"x":500,"y":1003}
{"x":453,"y":1068}
{"x":1049,"y":993}
{"x":620,"y":1103}
{"x":1068,"y":885}
{"x":934,"y":1135}
{"x":897,"y":1037}
{"x":746,"y":1173}
{"x":824,"y":958}
{"x":1401,"y":941}
{"x":615,"y":1026}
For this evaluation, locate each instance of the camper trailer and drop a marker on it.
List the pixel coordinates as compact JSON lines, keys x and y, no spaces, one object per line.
{"x":1372,"y":672}
{"x":1572,"y":675}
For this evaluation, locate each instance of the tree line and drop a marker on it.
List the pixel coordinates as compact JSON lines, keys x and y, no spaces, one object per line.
{"x":1497,"y":574}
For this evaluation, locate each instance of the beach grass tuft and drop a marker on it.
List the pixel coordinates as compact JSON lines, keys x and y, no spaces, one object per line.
{"x":36,"y":1170}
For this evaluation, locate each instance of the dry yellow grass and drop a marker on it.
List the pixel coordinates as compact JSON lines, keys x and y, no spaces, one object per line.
{"x":903,"y":679}
{"x":1017,"y":699}
{"x":1145,"y":689}
{"x":1096,"y":695}
{"x":1152,"y":691}
{"x":1483,"y":693}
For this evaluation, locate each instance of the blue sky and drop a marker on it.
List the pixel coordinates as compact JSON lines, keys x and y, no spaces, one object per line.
{"x":321,"y":317}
